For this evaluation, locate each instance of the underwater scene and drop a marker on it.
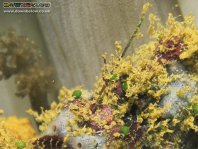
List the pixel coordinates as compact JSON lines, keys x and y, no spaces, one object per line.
{"x":99,"y":74}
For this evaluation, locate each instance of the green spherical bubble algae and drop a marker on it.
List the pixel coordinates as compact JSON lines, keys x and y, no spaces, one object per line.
{"x":20,"y":144}
{"x":195,"y":108}
{"x":124,"y":86}
{"x":124,"y":130}
{"x":77,"y":94}
{"x":113,"y":77}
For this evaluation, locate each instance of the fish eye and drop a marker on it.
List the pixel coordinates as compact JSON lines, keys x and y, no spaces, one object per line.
{"x":79,"y":145}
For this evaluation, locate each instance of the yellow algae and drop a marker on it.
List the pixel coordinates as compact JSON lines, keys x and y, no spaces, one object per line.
{"x":175,"y":121}
{"x":116,"y":134}
{"x":189,"y":124}
{"x":21,"y":128}
{"x":146,"y":7}
{"x":13,"y":129}
{"x":182,"y":92}
{"x":46,"y":116}
{"x":184,"y":33}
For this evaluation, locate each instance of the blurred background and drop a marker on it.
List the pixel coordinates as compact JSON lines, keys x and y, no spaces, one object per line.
{"x":69,"y":42}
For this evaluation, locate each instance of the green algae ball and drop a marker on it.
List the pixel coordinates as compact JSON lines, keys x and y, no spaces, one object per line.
{"x":77,"y":94}
{"x":113,"y":77}
{"x":124,"y":130}
{"x":124,"y":86}
{"x":195,"y":108}
{"x":20,"y":144}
